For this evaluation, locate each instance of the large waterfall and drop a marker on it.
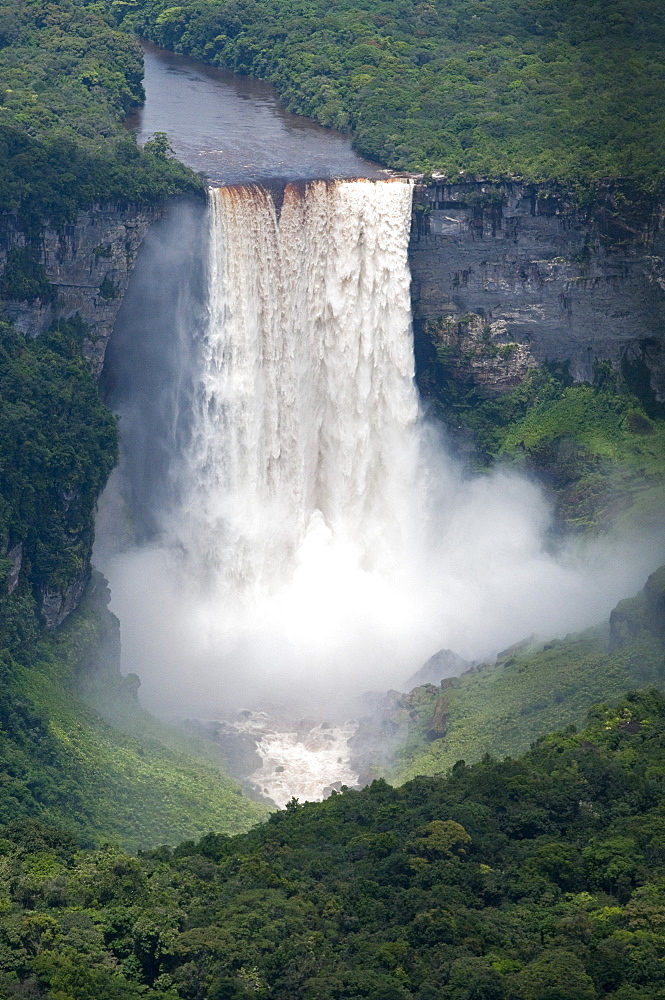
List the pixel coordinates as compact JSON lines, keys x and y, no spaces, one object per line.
{"x":313,"y":536}
{"x":305,"y":423}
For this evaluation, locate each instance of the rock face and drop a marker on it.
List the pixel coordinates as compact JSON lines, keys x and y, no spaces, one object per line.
{"x":637,"y":615}
{"x":535,"y":279}
{"x":14,"y":555}
{"x":56,"y":605}
{"x":445,"y":663}
{"x":89,"y":263}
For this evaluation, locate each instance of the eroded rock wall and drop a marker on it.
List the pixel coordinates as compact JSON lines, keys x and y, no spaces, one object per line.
{"x":520,"y":265}
{"x":89,"y":263}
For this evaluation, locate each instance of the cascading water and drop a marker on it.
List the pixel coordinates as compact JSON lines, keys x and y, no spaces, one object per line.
{"x":294,"y":530}
{"x":305,"y":428}
{"x":319,"y":541}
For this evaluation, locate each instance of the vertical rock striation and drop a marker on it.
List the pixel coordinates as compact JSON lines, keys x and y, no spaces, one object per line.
{"x":88,"y":263}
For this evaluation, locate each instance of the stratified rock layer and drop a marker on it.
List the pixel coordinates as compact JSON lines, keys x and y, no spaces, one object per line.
{"x":558,"y":282}
{"x":89,"y":262}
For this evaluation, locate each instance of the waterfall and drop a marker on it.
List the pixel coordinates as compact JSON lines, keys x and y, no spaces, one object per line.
{"x":318,"y":539}
{"x":305,"y":425}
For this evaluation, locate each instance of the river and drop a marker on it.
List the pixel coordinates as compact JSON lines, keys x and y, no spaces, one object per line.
{"x":233,"y":129}
{"x":295,"y":533}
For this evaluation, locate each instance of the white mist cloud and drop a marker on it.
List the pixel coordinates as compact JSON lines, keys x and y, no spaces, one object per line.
{"x":483,"y":575}
{"x":232,"y":585}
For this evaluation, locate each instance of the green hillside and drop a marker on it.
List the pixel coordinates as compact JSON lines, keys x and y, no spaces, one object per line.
{"x":537,"y":878}
{"x":59,"y":760}
{"x":136,"y":783}
{"x":564,"y":90}
{"x":67,"y":80}
{"x":598,"y":448}
{"x":502,"y":708}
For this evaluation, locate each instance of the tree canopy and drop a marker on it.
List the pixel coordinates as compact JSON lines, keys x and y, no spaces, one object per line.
{"x":536,"y":878}
{"x":67,"y":80}
{"x":560,"y":90}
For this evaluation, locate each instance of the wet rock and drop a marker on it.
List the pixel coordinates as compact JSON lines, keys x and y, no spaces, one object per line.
{"x":643,"y":613}
{"x":445,"y":663}
{"x":238,"y":749}
{"x":57,"y":604}
{"x":15,"y":556}
{"x":89,"y":261}
{"x":514,"y":274}
{"x":438,"y":725}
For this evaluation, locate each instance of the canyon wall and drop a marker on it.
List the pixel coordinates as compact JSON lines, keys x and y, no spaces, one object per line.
{"x":513,"y":264}
{"x":507,"y":276}
{"x":88,"y":263}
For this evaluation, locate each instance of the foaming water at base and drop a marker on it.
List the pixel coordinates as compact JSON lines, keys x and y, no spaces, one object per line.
{"x":302,"y":759}
{"x":484,"y":578}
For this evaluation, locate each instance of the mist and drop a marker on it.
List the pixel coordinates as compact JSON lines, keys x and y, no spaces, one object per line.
{"x":367,"y":547}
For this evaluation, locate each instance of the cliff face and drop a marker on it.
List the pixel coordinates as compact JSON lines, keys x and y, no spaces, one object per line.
{"x":506,"y":276}
{"x":89,"y":264}
{"x":534,"y":278}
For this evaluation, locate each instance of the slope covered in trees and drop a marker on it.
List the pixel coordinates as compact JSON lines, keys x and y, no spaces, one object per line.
{"x":59,"y":760}
{"x":67,"y":80}
{"x":598,"y":448}
{"x":126,"y":778}
{"x":561,"y":90}
{"x":531,"y":689}
{"x":537,"y":878}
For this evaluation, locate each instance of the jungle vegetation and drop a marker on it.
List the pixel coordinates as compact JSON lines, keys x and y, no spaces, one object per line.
{"x":598,"y":447}
{"x":120,"y":776}
{"x":539,"y":877}
{"x":532,"y":688}
{"x":130,"y":779}
{"x":67,"y":80}
{"x":570,"y":91}
{"x":535,"y":878}
{"x":58,"y":444}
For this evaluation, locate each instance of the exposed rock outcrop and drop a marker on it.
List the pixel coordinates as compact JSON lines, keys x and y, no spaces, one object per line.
{"x":89,"y":264}
{"x":57,"y":604}
{"x":514,"y":275}
{"x":445,"y":663}
{"x":637,"y":615}
{"x":14,"y":555}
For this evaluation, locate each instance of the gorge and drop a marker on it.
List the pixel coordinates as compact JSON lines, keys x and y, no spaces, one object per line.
{"x":311,"y":529}
{"x":300,"y":534}
{"x":356,"y":450}
{"x":365,"y":591}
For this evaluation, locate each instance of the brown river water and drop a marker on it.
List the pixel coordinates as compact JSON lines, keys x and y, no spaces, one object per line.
{"x":233,"y":129}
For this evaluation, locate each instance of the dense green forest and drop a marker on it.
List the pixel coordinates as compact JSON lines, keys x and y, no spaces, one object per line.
{"x":121,"y":776}
{"x":599,"y":447}
{"x":559,"y":90}
{"x":130,"y":778}
{"x":58,"y":444}
{"x":67,"y":80}
{"x":535,"y":878}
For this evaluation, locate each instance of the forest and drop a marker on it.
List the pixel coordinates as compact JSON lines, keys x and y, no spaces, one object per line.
{"x":67,"y":80}
{"x":565,"y":91}
{"x":540,"y":877}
